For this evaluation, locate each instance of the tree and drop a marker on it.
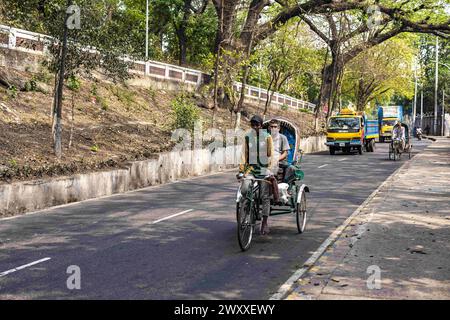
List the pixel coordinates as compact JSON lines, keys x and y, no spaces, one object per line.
{"x":96,"y":45}
{"x":381,"y":72}
{"x":189,"y":25}
{"x":287,"y":56}
{"x":347,"y":38}
{"x":396,"y":18}
{"x":427,"y":57}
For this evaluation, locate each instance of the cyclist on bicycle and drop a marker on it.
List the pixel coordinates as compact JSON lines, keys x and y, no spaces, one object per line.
{"x":256,"y":161}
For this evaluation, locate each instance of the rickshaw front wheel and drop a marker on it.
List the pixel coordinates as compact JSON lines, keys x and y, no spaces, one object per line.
{"x":301,"y":213}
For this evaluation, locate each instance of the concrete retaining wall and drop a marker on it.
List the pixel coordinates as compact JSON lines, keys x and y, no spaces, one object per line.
{"x":313,"y":144}
{"x":21,"y":197}
{"x":22,"y":61}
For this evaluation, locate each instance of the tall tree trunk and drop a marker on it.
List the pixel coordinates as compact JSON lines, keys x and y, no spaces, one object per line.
{"x":181,"y":32}
{"x":327,"y":89}
{"x":182,"y":44}
{"x":235,"y":49}
{"x":216,"y":82}
{"x":55,"y":102}
{"x":269,"y":98}
{"x":58,"y":123}
{"x":72,"y":123}
{"x":244,"y":83}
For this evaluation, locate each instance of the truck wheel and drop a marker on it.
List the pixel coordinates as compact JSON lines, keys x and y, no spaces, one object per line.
{"x":360,"y":150}
{"x":332,"y":151}
{"x":372,"y":145}
{"x":382,"y":139}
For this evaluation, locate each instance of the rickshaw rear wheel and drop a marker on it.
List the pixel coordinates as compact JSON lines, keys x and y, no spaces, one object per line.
{"x":300,"y":210}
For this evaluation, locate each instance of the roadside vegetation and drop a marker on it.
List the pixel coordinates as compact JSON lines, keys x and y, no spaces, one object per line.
{"x":334,"y":54}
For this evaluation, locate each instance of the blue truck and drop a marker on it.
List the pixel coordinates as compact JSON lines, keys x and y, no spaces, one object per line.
{"x":387,"y":116}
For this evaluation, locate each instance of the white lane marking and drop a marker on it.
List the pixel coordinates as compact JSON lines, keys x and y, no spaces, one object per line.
{"x":342,"y":159}
{"x":322,"y":166}
{"x":172,"y":216}
{"x":287,"y":287}
{"x":23,"y":267}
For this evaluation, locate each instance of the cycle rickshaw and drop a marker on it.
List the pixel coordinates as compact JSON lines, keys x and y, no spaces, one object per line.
{"x":294,"y":200}
{"x":395,"y":149}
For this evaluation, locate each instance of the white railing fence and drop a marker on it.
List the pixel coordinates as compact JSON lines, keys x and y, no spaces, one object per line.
{"x":31,"y":42}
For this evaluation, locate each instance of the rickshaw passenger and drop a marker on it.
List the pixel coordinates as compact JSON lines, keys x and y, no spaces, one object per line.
{"x":280,"y":147}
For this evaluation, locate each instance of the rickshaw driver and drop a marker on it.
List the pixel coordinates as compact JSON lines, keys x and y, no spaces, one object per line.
{"x":398,"y":134}
{"x":256,"y":161}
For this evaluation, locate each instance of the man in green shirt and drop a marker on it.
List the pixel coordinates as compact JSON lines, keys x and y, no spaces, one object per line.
{"x":256,"y":161}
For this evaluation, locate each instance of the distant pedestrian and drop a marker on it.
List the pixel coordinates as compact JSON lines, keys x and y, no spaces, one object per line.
{"x":427,"y":129}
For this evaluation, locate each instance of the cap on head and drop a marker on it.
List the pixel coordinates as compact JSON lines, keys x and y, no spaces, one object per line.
{"x":256,"y":119}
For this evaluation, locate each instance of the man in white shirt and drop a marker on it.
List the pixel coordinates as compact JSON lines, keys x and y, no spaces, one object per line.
{"x":281,"y":147}
{"x":398,"y":134}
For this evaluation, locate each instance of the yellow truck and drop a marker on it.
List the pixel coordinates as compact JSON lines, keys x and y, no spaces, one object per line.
{"x":350,"y":130}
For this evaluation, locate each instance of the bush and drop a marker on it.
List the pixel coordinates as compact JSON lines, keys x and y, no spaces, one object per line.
{"x":30,"y":86}
{"x":44,"y":76}
{"x":13,"y":163}
{"x":123,"y":95}
{"x":185,"y":113}
{"x":12,"y":92}
{"x":151,"y":93}
{"x":73,"y":83}
{"x":93,"y":91}
{"x":305,"y":110}
{"x":284,"y":107}
{"x":103,"y":103}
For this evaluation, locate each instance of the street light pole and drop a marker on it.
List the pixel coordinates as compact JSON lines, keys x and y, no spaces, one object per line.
{"x":146,"y":31}
{"x":421,"y":108}
{"x":415,"y":96}
{"x":436,"y":87}
{"x":443,"y":91}
{"x":443,"y":113}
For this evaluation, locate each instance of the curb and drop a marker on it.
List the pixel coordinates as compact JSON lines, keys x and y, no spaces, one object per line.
{"x":16,"y":216}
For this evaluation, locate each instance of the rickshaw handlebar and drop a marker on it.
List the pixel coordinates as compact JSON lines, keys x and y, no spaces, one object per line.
{"x":241,"y":176}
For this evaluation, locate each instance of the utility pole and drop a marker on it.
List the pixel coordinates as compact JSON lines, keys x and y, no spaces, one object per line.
{"x":146,"y":31}
{"x":443,"y":113}
{"x":415,"y":96}
{"x":421,"y":108}
{"x":436,"y":87}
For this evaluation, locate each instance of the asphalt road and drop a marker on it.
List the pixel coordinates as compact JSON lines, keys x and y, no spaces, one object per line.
{"x":125,"y":251}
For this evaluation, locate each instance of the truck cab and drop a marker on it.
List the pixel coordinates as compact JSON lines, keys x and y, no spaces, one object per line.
{"x":350,"y":130}
{"x":386,"y":127}
{"x":387,"y":116}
